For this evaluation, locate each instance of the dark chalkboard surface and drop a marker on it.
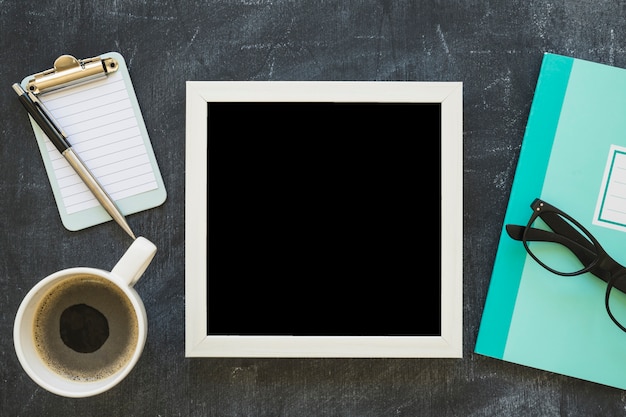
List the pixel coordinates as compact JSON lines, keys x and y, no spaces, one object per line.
{"x":322,"y":220}
{"x":494,"y":47}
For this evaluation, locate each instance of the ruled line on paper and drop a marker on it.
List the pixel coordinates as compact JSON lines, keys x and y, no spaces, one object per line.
{"x":100,"y":122}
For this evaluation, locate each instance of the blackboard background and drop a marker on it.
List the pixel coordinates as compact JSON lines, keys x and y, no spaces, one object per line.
{"x":494,"y":48}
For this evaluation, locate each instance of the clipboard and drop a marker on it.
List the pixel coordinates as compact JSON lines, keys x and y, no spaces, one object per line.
{"x":94,"y":102}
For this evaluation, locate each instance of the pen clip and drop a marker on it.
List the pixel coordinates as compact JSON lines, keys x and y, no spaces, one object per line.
{"x":46,"y":113}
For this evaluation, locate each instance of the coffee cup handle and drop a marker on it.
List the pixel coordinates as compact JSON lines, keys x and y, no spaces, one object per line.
{"x":135,"y":261}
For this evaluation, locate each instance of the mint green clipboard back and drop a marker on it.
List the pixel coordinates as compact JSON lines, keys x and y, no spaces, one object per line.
{"x":128,"y":205}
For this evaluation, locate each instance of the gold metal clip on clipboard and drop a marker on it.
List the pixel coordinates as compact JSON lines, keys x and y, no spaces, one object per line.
{"x":69,"y":70}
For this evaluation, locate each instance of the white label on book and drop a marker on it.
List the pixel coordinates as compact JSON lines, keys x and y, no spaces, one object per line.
{"x":611,"y":205}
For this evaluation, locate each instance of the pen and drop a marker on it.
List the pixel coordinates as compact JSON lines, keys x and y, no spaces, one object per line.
{"x":37,"y":111}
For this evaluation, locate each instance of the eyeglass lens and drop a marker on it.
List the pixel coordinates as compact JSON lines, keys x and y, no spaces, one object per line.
{"x":616,"y":302}
{"x":566,"y":254}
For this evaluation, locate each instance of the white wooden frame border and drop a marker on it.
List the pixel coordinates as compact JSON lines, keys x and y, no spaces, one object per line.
{"x":199,"y":344}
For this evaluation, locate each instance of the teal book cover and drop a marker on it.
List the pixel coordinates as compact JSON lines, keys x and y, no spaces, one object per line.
{"x":573,"y":157}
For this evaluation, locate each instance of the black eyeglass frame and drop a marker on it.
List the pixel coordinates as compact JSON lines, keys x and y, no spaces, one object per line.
{"x":583,"y":245}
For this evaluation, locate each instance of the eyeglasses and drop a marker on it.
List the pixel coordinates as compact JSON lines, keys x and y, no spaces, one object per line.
{"x":583,"y":254}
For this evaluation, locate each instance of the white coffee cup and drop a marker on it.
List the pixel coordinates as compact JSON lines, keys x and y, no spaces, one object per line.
{"x":80,"y":331}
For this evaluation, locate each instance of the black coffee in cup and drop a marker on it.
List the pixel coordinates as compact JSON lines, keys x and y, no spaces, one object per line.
{"x":85,"y":328}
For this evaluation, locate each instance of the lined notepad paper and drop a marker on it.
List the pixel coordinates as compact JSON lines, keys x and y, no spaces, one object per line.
{"x":105,"y":127}
{"x":101,"y":126}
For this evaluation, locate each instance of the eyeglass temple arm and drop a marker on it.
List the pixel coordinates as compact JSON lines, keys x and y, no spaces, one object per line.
{"x":560,"y":226}
{"x":582,"y":252}
{"x":604,"y":269}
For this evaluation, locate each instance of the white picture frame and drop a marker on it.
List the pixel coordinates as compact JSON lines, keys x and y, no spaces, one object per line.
{"x":449,"y":344}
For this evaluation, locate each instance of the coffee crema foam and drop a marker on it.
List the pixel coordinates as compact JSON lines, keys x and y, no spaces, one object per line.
{"x":103,"y":296}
